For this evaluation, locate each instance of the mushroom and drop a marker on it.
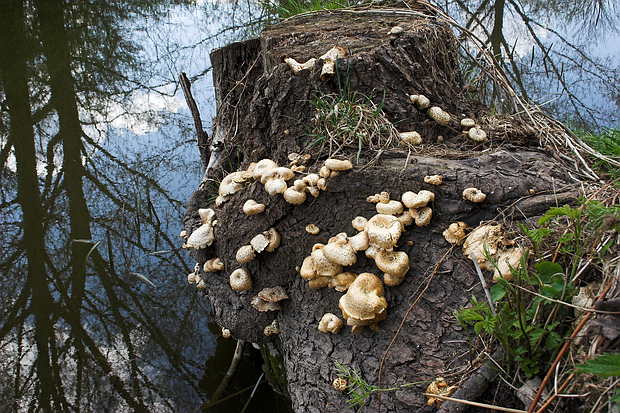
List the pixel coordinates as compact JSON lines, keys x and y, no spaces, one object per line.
{"x":467,"y":123}
{"x":298,"y":67}
{"x":342,"y":281}
{"x":364,"y":303}
{"x":396,"y":31}
{"x":421,"y":100}
{"x":251,"y":207}
{"x":240,"y":280}
{"x":259,"y":243}
{"x":261,"y":167}
{"x":422,"y":216}
{"x":439,"y":115}
{"x":271,"y":329}
{"x":474,"y":195}
{"x":395,"y":264}
{"x":383,"y":197}
{"x":225,"y":333}
{"x":191,"y":278}
{"x":203,"y":236}
{"x":273,"y":238}
{"x":245,"y":254}
{"x":322,"y":265}
{"x":213,"y":265}
{"x":419,"y":200}
{"x":338,"y":165}
{"x":433,"y":179}
{"x":338,"y":250}
{"x":412,"y":138}
{"x":384,"y":231}
{"x":231,"y":183}
{"x":490,"y":235}
{"x":507,"y":260}
{"x":264,"y":305}
{"x":294,"y":196}
{"x":391,"y":208}
{"x":275,"y":179}
{"x":329,"y":61}
{"x":477,"y":134}
{"x":455,"y":233}
{"x":360,"y":241}
{"x":312,"y":229}
{"x":359,"y":223}
{"x":273,"y":294}
{"x":340,"y":384}
{"x":330,"y":323}
{"x":183,"y":234}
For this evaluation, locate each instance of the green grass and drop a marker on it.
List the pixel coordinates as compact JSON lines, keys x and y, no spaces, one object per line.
{"x":607,"y":142}
{"x":288,"y":8}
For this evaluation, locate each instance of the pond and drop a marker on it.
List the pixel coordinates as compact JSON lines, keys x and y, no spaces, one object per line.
{"x":99,"y":160}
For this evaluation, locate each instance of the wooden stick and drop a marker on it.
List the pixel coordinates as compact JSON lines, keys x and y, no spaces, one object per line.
{"x":483,"y":405}
{"x":203,"y":138}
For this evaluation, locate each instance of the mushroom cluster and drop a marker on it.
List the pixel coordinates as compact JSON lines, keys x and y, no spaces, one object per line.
{"x":203,"y":235}
{"x":503,"y":256}
{"x":473,"y":130}
{"x":267,"y":241}
{"x":268,"y":299}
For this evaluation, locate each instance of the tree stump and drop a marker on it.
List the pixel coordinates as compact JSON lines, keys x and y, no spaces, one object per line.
{"x":266,"y":111}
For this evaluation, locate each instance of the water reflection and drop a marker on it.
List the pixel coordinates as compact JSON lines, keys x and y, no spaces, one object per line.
{"x":98,"y":315}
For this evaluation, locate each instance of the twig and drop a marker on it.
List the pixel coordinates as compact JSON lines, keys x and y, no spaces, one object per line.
{"x":229,"y":374}
{"x":483,"y":405}
{"x":484,"y":284}
{"x":203,"y":138}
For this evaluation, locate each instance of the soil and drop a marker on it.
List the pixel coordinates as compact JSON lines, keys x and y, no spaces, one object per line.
{"x":265,"y":111}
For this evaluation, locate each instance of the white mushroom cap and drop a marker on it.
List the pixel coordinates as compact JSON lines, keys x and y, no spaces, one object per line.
{"x":213,"y":265}
{"x":312,"y":229}
{"x":395,"y":263}
{"x":275,"y":186}
{"x":423,"y":217}
{"x":490,"y":235}
{"x":474,"y":195}
{"x":383,"y":197}
{"x":391,"y":208}
{"x":413,"y":98}
{"x":340,"y":251}
{"x":477,"y":134}
{"x":421,"y":199}
{"x":405,"y":218}
{"x":321,"y":184}
{"x":507,"y":259}
{"x":359,"y":223}
{"x":225,"y":333}
{"x":245,"y":254}
{"x":311,"y":179}
{"x":360,"y":241}
{"x":240,"y":280}
{"x":342,"y":281}
{"x":259,"y":243}
{"x":251,"y":207}
{"x":183,"y":234}
{"x":319,"y":282}
{"x":384,"y":231}
{"x":330,"y":323}
{"x":293,"y":196}
{"x":300,"y":185}
{"x":274,"y":239}
{"x":433,"y":179}
{"x":297,"y":67}
{"x":324,"y":172}
{"x":439,"y":115}
{"x":455,"y":233}
{"x":261,"y":167}
{"x":264,"y":305}
{"x":201,"y":237}
{"x":229,"y":184}
{"x":206,"y":214}
{"x":364,"y":303}
{"x":412,"y":138}
{"x":308,"y":271}
{"x":191,"y":278}
{"x":323,"y":266}
{"x":273,"y":294}
{"x":220,"y":200}
{"x":468,"y":123}
{"x":423,"y":102}
{"x":329,"y":61}
{"x":338,"y":165}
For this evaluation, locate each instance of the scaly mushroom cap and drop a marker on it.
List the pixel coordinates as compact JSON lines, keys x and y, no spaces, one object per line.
{"x":340,"y":251}
{"x":259,"y":243}
{"x":240,"y":280}
{"x":300,"y":185}
{"x":191,"y":278}
{"x":213,"y":265}
{"x":490,"y":235}
{"x":251,"y":207}
{"x":273,"y":294}
{"x":311,"y":179}
{"x":323,"y":266}
{"x":405,"y":218}
{"x":225,"y":333}
{"x":230,"y":184}
{"x":419,"y":200}
{"x":293,"y":196}
{"x":423,"y":217}
{"x":412,"y":138}
{"x":474,"y":195}
{"x":384,"y":231}
{"x":477,"y":134}
{"x":360,"y":241}
{"x":261,"y":167}
{"x":506,"y":259}
{"x":359,"y":223}
{"x":439,"y":115}
{"x":455,"y":233}
{"x":383,"y":197}
{"x":392,"y":280}
{"x":274,"y":239}
{"x":338,"y":165}
{"x":342,"y":281}
{"x":324,"y":172}
{"x":271,"y":329}
{"x":364,"y":303}
{"x":319,"y":282}
{"x":433,"y":179}
{"x":245,"y":254}
{"x":391,"y":208}
{"x":395,"y":263}
{"x":307,"y":270}
{"x":202,"y":237}
{"x":330,"y":323}
{"x":467,"y":123}
{"x":275,"y":186}
{"x":312,"y":229}
{"x":264,"y":305}
{"x":423,"y":102}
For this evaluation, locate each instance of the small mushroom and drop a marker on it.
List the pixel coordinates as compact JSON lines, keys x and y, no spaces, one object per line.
{"x":338,"y":165}
{"x":364,"y":303}
{"x":412,"y":138}
{"x":183,"y":234}
{"x":419,"y":200}
{"x":294,"y":196}
{"x":396,"y":31}
{"x":203,"y":236}
{"x":342,"y":281}
{"x":395,"y":264}
{"x":298,"y":67}
{"x":467,"y":123}
{"x":360,"y":241}
{"x":273,"y":238}
{"x":383,"y":197}
{"x":455,"y":233}
{"x":240,"y":280}
{"x":271,"y":329}
{"x":251,"y":207}
{"x":191,"y":278}
{"x":477,"y":134}
{"x":330,"y":323}
{"x":507,"y":260}
{"x":359,"y":223}
{"x":264,"y":305}
{"x":474,"y":195}
{"x":439,"y":115}
{"x":312,"y":229}
{"x":262,"y":167}
{"x":213,"y":265}
{"x":338,"y":250}
{"x":420,"y":100}
{"x":340,"y":384}
{"x":245,"y":254}
{"x":433,"y":179}
{"x":423,"y":216}
{"x":225,"y":333}
{"x":259,"y":243}
{"x":489,"y":235}
{"x":273,"y":294}
{"x":384,"y":231}
{"x":329,"y":61}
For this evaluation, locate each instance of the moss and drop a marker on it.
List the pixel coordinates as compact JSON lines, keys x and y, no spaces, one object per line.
{"x":274,"y":368}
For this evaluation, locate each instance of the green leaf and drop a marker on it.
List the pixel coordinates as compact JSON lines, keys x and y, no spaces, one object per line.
{"x":605,"y":365}
{"x":547,"y":269}
{"x":497,"y":292}
{"x":553,"y":340}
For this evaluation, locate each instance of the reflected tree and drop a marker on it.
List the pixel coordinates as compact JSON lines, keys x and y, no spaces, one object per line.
{"x":545,"y":49}
{"x":99,"y":317}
